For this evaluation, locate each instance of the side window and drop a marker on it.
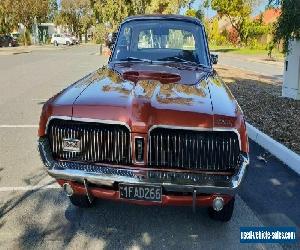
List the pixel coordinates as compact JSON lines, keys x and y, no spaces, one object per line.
{"x":125,"y":37}
{"x":145,"y":39}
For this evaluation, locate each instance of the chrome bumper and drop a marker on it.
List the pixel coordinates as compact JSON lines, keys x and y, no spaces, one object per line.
{"x":171,"y":181}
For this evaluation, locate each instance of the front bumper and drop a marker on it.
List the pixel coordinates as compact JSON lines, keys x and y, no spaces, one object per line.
{"x":172,"y":181}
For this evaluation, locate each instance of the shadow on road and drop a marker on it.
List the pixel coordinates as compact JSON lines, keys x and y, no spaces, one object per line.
{"x":224,"y":50}
{"x":271,"y":189}
{"x":46,"y":219}
{"x":118,"y":226}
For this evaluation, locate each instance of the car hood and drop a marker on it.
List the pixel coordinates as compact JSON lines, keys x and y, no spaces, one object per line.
{"x":145,"y":95}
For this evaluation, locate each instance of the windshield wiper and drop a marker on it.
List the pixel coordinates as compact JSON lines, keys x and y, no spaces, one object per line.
{"x":132,"y":59}
{"x":181,"y":60}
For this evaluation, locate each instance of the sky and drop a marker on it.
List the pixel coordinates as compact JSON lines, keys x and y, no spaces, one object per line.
{"x":210,"y":13}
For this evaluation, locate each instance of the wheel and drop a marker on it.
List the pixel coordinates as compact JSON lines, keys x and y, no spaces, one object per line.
{"x":225,"y":214}
{"x":68,"y":43}
{"x":9,"y":45}
{"x":81,"y":201}
{"x":55,"y":43}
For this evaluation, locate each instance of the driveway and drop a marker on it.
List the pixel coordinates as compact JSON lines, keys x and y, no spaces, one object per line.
{"x":35,"y":213}
{"x":249,"y":63}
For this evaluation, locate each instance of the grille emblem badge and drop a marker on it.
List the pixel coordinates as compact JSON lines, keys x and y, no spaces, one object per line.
{"x":71,"y":145}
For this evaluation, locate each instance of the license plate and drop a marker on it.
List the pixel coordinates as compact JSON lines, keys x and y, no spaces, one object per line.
{"x":140,"y":192}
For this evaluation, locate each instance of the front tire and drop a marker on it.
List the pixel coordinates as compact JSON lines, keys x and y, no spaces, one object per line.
{"x":81,"y":201}
{"x":225,"y":214}
{"x":68,"y":43}
{"x":55,"y":43}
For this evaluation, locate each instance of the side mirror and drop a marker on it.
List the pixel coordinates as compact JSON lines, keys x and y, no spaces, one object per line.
{"x":214,"y":58}
{"x":112,"y":39}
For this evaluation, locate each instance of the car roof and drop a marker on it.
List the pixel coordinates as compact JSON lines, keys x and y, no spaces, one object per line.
{"x":164,"y":17}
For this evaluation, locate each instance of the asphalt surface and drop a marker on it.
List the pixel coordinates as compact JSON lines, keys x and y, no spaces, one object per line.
{"x":258,"y":67}
{"x":35,"y":213}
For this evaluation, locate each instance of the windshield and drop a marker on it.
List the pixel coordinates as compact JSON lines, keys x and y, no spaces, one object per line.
{"x":161,"y":40}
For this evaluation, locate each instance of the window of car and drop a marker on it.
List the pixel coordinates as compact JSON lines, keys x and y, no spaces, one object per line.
{"x":174,"y":39}
{"x":161,"y":40}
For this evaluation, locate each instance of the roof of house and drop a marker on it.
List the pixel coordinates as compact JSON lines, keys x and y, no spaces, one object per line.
{"x":269,"y":15}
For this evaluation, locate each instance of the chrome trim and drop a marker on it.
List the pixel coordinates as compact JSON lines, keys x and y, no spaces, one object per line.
{"x":134,"y":158}
{"x":194,"y":200}
{"x":231,"y":187}
{"x":88,"y":194}
{"x":209,"y":184}
{"x":80,"y":119}
{"x":67,"y":118}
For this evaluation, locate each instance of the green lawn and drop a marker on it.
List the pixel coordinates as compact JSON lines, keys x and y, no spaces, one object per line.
{"x":246,"y":51}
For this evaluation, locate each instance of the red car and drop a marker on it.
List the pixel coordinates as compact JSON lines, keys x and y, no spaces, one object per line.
{"x":156,"y":126}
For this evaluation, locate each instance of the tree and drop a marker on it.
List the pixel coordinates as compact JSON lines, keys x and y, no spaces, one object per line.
{"x":288,"y":24}
{"x":53,"y":10}
{"x":29,"y":11}
{"x":195,"y":13}
{"x":111,"y":12}
{"x":166,"y":7}
{"x":253,"y":29}
{"x":137,"y":7}
{"x":7,"y":17}
{"x":237,"y":11}
{"x":77,"y":15}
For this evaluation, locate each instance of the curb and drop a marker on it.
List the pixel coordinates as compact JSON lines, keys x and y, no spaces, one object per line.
{"x":287,"y":156}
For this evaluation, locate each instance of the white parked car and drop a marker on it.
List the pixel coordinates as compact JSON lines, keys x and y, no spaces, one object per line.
{"x":75,"y":40}
{"x":61,"y":39}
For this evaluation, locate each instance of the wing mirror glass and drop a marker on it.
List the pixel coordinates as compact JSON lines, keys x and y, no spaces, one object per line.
{"x":214,"y":58}
{"x":112,"y":39}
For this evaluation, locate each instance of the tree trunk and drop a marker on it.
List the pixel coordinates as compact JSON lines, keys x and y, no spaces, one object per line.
{"x":24,"y":36}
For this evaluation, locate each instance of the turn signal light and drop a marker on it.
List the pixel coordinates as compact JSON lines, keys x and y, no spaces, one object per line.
{"x":139,"y":149}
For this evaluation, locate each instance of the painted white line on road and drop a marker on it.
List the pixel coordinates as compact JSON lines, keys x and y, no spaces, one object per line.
{"x":29,"y":188}
{"x":18,"y":126}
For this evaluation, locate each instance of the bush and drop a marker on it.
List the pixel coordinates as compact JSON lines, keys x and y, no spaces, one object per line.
{"x":221,"y":40}
{"x":100,"y":34}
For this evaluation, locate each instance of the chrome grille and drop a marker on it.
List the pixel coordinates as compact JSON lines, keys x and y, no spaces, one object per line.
{"x":99,"y":143}
{"x":187,"y":149}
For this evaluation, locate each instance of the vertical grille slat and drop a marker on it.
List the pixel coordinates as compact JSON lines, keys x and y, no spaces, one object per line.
{"x":99,"y":143}
{"x":187,"y":149}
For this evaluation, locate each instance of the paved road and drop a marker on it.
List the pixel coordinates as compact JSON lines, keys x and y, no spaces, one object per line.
{"x":244,"y":63}
{"x":34,"y":213}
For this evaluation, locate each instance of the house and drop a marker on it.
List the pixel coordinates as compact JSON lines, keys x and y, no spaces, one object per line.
{"x":268,"y":17}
